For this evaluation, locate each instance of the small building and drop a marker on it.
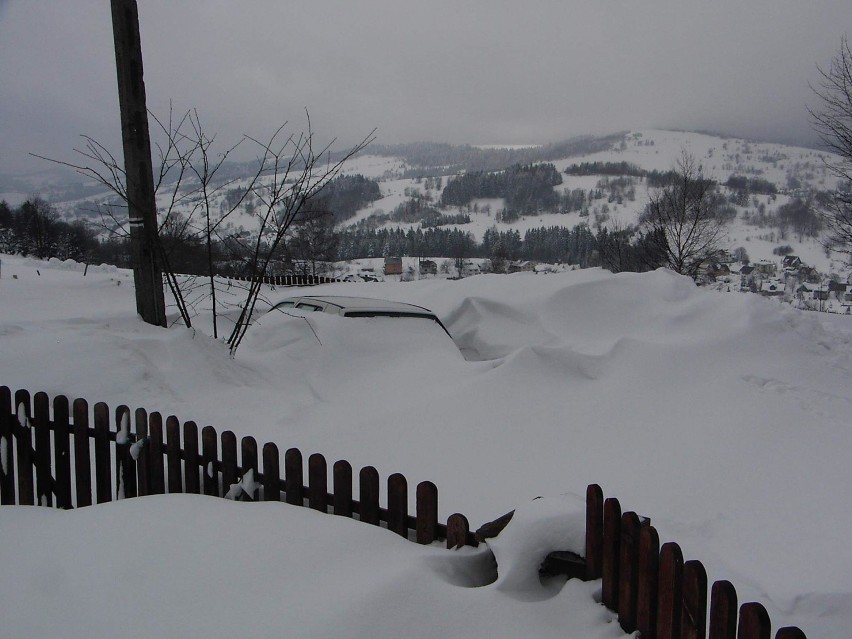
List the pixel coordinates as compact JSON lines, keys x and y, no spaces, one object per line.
{"x":791,"y":261}
{"x":393,"y":266}
{"x":428,"y":267}
{"x":765,"y":268}
{"x":521,"y":267}
{"x":772,"y":288}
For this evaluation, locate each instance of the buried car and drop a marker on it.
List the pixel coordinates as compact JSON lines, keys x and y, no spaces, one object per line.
{"x":347,"y":306}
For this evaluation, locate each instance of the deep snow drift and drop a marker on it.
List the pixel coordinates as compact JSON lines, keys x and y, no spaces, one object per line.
{"x":725,"y":418}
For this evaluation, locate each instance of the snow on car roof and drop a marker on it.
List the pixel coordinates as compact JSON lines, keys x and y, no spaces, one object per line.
{"x":364,"y":303}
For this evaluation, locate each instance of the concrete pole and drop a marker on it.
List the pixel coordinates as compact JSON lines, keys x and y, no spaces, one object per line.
{"x":141,"y":204}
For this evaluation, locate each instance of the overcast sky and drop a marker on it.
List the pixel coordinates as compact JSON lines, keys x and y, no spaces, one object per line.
{"x":477,"y":71}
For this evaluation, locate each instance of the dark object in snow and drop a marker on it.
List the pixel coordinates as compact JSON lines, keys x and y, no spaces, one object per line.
{"x":564,"y":562}
{"x":493,"y":528}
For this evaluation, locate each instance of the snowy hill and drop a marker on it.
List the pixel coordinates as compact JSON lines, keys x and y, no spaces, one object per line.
{"x":725,"y":418}
{"x":791,"y":172}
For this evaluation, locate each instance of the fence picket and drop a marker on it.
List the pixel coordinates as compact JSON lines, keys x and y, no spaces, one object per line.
{"x":248,"y":451}
{"x":62,"y":451}
{"x":293,"y":477}
{"x":191,"y":460}
{"x":610,"y":556}
{"x":368,"y":509}
{"x":427,"y":512}
{"x":693,"y":619}
{"x":156,"y":465}
{"x":398,"y":504}
{"x":175,"y":472}
{"x":82,"y":459}
{"x":41,"y":431}
{"x":125,"y":467}
{"x":103,"y":461}
{"x":209,"y":460}
{"x":23,"y":439}
{"x":754,"y":622}
{"x":7,"y":458}
{"x":271,"y":473}
{"x":647,"y":586}
{"x":229,"y":460}
{"x":594,"y":531}
{"x":628,"y":565}
{"x":458,"y":529}
{"x":318,"y":483}
{"x":669,"y":592}
{"x":142,"y":452}
{"x":342,"y":472}
{"x":790,"y":632}
{"x":723,"y":611}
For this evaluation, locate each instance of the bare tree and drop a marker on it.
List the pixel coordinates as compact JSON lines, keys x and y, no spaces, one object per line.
{"x":681,"y":222}
{"x":288,"y":174}
{"x":832,"y":120}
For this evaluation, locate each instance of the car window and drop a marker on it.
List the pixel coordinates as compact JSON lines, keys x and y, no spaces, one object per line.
{"x":308,"y":307}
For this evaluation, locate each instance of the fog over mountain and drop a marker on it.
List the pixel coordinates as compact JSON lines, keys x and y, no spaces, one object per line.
{"x":475,"y":72}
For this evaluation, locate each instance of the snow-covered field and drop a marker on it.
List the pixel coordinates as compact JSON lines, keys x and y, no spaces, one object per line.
{"x":723,"y":417}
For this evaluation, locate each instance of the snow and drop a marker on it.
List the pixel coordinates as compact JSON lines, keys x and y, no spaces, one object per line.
{"x":723,"y":417}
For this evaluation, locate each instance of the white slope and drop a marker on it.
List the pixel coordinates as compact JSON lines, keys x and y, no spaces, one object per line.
{"x":725,"y":418}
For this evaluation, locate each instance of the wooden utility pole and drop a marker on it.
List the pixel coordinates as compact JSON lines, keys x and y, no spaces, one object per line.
{"x":141,"y":204}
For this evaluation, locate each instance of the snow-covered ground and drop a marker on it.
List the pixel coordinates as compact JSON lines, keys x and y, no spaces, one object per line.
{"x":723,"y":417}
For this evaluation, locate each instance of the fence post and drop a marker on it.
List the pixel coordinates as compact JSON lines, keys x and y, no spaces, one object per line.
{"x":7,"y":441}
{"x":248,"y":447}
{"x":175,"y":472}
{"x":156,"y":467}
{"x":143,"y":452}
{"x":398,"y":504}
{"x":103,"y":462}
{"x":790,"y":632}
{"x":41,"y":426}
{"x":723,"y":611}
{"x":191,"y":460}
{"x":23,"y":439}
{"x":457,"y":530}
{"x":646,"y":589}
{"x":82,"y":458}
{"x":628,"y":565}
{"x":271,"y":473}
{"x":209,"y":459}
{"x":318,"y":483}
{"x":594,"y":531}
{"x":293,"y":479}
{"x":342,"y":471}
{"x":693,"y":624}
{"x":125,"y":468}
{"x":427,"y":512}
{"x":610,"y":557}
{"x":229,"y":460}
{"x":669,"y":594}
{"x":62,"y":451}
{"x":368,"y":507}
{"x":754,"y":622}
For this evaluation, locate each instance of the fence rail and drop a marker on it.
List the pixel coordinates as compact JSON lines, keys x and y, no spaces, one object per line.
{"x":62,"y":454}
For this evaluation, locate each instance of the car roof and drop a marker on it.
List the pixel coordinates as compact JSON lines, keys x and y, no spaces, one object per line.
{"x":363,"y":303}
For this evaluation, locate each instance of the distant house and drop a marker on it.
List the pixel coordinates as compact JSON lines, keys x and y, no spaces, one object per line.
{"x":470,"y":268}
{"x":809,"y":274}
{"x":771,"y":288}
{"x":791,"y":262}
{"x":765,"y":268}
{"x":428,"y":267}
{"x":838,"y":288}
{"x":521,"y":267}
{"x":393,"y":266}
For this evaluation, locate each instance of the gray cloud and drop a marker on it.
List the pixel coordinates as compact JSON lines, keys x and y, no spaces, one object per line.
{"x":477,"y":71}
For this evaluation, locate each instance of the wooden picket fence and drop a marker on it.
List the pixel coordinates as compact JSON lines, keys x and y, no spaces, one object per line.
{"x":289,"y":280}
{"x":651,"y":588}
{"x":150,"y":457}
{"x":654,"y":591}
